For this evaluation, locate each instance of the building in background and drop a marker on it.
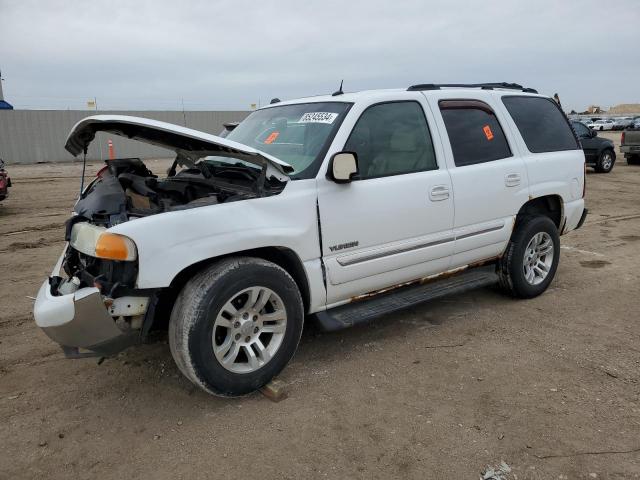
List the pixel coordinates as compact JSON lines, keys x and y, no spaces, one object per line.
{"x":626,"y":108}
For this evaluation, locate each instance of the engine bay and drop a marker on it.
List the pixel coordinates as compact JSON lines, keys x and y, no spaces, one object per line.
{"x":125,"y":188}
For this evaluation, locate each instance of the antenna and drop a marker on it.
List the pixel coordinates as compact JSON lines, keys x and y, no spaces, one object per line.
{"x":339,"y":92}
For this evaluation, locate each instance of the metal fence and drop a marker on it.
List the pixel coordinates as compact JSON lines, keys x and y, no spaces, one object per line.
{"x":33,"y":136}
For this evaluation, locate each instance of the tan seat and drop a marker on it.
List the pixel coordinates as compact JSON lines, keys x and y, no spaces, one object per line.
{"x":404,"y":153}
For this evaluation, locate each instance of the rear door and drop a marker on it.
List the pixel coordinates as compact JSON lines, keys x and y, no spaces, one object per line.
{"x":393,"y":223}
{"x":489,"y":178}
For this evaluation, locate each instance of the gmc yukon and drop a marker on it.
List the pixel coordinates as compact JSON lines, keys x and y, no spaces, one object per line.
{"x":336,"y":208}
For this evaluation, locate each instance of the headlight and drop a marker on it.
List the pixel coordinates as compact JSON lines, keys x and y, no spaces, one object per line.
{"x":95,"y":241}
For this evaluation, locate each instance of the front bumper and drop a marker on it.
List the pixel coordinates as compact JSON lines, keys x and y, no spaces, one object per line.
{"x":80,"y":320}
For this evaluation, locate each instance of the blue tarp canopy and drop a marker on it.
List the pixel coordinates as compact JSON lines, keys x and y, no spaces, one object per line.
{"x":5,"y":106}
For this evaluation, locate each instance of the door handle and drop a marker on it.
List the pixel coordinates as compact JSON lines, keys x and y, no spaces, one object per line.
{"x":512,"y":179}
{"x":439,"y":193}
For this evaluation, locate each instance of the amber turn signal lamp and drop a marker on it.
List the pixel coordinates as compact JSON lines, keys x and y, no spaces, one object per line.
{"x":115,"y":247}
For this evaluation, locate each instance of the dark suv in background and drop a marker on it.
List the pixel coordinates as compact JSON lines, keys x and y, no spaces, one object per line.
{"x":599,"y":153}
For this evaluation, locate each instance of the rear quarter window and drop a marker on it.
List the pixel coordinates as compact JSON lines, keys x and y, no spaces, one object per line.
{"x":543,"y":127}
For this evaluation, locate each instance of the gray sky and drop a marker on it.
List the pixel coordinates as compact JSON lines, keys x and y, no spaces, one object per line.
{"x":227,"y":55}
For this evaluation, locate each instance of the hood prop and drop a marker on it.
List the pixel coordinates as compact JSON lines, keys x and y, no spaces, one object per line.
{"x":84,"y":168}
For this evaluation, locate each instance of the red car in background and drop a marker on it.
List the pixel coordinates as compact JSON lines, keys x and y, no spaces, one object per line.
{"x":5,"y":181}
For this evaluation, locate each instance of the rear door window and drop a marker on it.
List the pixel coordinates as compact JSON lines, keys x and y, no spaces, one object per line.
{"x":543,"y":126}
{"x":474,"y":132}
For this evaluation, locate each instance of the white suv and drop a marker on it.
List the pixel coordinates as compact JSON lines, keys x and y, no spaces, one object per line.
{"x":338,"y":208}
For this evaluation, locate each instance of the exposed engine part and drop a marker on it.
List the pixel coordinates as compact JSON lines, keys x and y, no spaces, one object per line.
{"x":127,"y":189}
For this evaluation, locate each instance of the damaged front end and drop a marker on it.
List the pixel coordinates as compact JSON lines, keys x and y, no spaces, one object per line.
{"x":78,"y":312}
{"x":91,"y":301}
{"x":214,"y":170}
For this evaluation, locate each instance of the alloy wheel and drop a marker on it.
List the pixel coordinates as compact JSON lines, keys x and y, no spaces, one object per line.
{"x":249,"y":329}
{"x":538,"y":258}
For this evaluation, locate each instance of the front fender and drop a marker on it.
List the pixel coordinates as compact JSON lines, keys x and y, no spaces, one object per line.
{"x":170,"y":242}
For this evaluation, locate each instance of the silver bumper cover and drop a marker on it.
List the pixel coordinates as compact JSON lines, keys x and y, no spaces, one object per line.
{"x":79,"y":320}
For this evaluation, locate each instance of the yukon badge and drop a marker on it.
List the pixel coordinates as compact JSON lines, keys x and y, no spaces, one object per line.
{"x":342,"y":246}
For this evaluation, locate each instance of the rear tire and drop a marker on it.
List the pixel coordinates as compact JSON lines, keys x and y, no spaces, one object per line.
{"x":633,"y":160}
{"x":235,"y":325}
{"x":530,"y":262}
{"x":605,"y":162}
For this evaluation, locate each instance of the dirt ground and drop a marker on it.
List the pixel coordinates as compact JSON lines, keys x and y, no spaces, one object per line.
{"x":549,"y":385}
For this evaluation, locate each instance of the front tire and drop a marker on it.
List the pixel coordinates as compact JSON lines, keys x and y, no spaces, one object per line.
{"x":605,"y":162}
{"x":531,"y":259}
{"x":235,"y":325}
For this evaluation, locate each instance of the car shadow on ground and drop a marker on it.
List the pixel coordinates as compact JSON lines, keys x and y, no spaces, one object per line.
{"x":437,"y":322}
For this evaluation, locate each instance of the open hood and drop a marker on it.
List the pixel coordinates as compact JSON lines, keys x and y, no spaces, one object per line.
{"x":181,"y":140}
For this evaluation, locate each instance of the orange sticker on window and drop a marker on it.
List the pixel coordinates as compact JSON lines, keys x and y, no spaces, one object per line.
{"x":271,"y":138}
{"x":487,"y":132}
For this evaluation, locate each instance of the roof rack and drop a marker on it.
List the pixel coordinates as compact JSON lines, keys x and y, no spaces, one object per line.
{"x":484,"y":86}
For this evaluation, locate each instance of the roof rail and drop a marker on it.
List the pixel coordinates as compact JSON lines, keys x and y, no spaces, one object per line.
{"x":484,"y":86}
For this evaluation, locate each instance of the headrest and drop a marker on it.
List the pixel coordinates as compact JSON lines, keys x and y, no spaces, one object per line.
{"x":403,"y":140}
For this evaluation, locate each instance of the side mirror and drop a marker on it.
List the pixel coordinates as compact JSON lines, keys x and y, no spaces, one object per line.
{"x":343,"y":167}
{"x":593,"y":133}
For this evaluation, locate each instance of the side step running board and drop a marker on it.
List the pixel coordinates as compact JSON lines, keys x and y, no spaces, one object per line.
{"x":363,"y":311}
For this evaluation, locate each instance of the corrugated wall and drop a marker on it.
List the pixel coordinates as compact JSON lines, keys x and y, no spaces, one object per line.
{"x":32,"y":136}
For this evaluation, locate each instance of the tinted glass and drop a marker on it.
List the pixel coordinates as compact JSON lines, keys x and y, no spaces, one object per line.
{"x":474,"y":132}
{"x":542,"y":125}
{"x":581,"y":130}
{"x":297,"y":134}
{"x":392,"y":139}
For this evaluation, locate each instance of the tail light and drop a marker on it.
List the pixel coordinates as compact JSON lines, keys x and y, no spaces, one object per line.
{"x":622,"y":138}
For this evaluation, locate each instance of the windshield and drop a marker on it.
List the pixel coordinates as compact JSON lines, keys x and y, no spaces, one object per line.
{"x":297,"y":134}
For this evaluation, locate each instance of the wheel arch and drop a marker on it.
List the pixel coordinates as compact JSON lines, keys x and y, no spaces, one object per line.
{"x":606,"y":147}
{"x":281,"y":256}
{"x":551,"y":206}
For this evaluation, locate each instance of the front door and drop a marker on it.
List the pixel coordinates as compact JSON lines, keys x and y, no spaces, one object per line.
{"x":393,"y":223}
{"x":589,"y":143}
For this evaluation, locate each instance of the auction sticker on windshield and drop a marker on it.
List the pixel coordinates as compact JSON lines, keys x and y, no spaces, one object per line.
{"x":318,"y":117}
